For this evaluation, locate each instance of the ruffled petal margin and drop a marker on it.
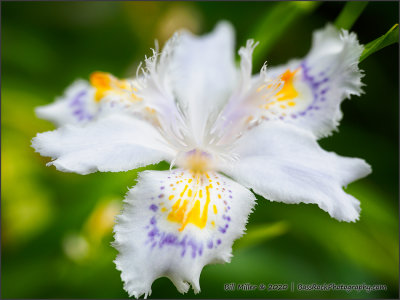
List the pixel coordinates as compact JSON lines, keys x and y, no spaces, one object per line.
{"x":315,"y":86}
{"x":176,"y":222}
{"x":76,"y":106}
{"x":112,"y":143}
{"x":284,"y":163}
{"x":203,"y":75}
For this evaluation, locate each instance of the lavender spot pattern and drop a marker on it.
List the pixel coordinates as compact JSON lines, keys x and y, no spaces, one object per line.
{"x":187,"y":244}
{"x":78,"y":107}
{"x":319,"y":90}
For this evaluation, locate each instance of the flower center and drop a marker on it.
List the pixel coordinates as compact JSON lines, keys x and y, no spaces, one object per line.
{"x":196,"y":161}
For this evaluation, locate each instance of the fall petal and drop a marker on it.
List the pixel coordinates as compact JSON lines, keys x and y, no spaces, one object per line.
{"x":176,"y":222}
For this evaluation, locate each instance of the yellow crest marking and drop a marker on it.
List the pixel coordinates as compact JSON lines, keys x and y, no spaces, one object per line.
{"x":189,"y":211}
{"x":288,"y":90}
{"x":105,"y":83}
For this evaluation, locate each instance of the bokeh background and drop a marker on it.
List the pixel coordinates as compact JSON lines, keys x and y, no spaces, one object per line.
{"x":56,"y":228}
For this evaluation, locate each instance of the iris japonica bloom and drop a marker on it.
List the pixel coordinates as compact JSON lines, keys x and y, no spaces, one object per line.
{"x":224,"y":131}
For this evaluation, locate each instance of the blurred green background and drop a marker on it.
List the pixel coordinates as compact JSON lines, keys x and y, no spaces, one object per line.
{"x":57,"y":227}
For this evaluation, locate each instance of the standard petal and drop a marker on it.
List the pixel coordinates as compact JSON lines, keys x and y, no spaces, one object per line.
{"x":284,"y":163}
{"x":204,"y":75}
{"x":176,"y":222}
{"x":315,"y":86}
{"x":77,"y":106}
{"x":115,"y":142}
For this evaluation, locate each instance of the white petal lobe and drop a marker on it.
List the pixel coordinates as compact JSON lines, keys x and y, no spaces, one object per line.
{"x":284,"y":163}
{"x":204,"y":75}
{"x":316,"y":85}
{"x":115,"y":142}
{"x":76,"y":106}
{"x":176,"y":222}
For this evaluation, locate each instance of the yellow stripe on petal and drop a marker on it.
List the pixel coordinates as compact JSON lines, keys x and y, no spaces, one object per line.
{"x":215,"y":209}
{"x":194,"y":208}
{"x":101,"y":82}
{"x":288,"y":90}
{"x":294,"y":99}
{"x":106,"y":84}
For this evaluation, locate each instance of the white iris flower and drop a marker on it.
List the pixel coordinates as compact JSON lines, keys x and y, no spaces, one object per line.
{"x":224,"y":132}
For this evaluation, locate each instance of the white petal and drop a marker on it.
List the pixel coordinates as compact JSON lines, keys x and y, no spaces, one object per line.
{"x":115,"y":142}
{"x":242,"y":110}
{"x":77,"y":106}
{"x":317,"y":85}
{"x":284,"y":163}
{"x":204,"y":75}
{"x":174,"y":223}
{"x":155,"y":88}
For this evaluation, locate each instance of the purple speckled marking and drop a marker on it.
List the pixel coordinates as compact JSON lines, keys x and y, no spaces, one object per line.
{"x":187,"y":245}
{"x":157,"y":238}
{"x":318,"y":89}
{"x":153,"y":232}
{"x":77,"y":99}
{"x":193,"y":245}
{"x":324,"y":90}
{"x":210,"y":244}
{"x":78,"y":107}
{"x":315,"y":87}
{"x":153,"y":207}
{"x":168,"y":239}
{"x":183,"y":244}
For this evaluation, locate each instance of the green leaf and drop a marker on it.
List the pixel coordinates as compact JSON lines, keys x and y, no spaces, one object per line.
{"x":260,"y":233}
{"x":390,"y":37}
{"x":276,"y":21}
{"x":349,"y":14}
